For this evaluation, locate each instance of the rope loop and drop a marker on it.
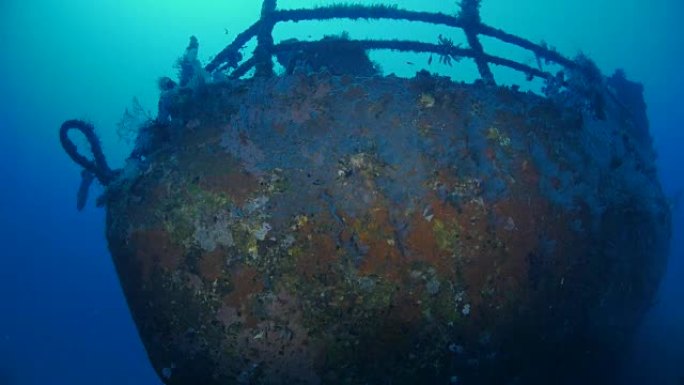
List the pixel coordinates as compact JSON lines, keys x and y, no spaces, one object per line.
{"x":96,"y":166}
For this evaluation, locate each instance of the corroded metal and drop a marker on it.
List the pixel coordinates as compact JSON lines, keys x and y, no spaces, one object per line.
{"x":321,"y":229}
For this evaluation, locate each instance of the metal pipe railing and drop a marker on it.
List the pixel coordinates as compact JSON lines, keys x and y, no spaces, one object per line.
{"x":468,"y":20}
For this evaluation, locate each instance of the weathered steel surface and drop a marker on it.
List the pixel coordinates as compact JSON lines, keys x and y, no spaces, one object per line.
{"x":344,"y":230}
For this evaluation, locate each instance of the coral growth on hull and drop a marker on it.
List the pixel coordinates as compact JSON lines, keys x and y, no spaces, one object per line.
{"x":320,"y":229}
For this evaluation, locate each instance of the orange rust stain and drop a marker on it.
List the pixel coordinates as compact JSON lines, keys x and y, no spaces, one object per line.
{"x":319,"y":256}
{"x":245,"y":281}
{"x":488,"y":270}
{"x":376,"y":232}
{"x":499,"y":263}
{"x":534,"y":218}
{"x":421,"y":240}
{"x":211,"y":265}
{"x":237,"y":184}
{"x":442,"y":210}
{"x":423,"y":246}
{"x":479,"y":258}
{"x":154,"y":248}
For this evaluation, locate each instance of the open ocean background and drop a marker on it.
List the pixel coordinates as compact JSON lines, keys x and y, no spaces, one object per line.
{"x":63,"y":318}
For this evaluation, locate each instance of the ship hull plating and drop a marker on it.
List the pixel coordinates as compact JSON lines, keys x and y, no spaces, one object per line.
{"x":344,"y":230}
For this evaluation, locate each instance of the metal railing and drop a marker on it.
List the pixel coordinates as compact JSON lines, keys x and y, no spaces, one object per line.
{"x":468,"y":20}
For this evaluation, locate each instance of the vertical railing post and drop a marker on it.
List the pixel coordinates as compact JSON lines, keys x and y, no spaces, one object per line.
{"x":263,"y":54}
{"x":470,"y":17}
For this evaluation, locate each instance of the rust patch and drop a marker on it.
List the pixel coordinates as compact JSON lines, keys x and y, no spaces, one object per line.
{"x":479,"y":254}
{"x":228,"y":315}
{"x":518,"y":225}
{"x":237,"y":184}
{"x":376,"y":233}
{"x":282,"y":344}
{"x":154,"y":248}
{"x":211,"y":264}
{"x":245,"y":281}
{"x":423,"y":241}
{"x":424,"y":247}
{"x":318,"y":253}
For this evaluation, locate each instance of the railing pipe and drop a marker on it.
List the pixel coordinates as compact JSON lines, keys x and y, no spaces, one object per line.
{"x":468,"y":20}
{"x":360,"y":12}
{"x":230,"y":56}
{"x":412,"y":46}
{"x":470,"y":17}
{"x":264,"y":50}
{"x":538,"y":50}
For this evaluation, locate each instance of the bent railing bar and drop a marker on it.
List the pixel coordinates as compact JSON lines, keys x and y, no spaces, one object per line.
{"x":538,"y":50}
{"x":224,"y":59}
{"x":398,"y":45}
{"x":243,"y":68}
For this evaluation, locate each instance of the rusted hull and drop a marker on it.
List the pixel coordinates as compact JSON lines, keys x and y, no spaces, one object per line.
{"x":342,"y":230}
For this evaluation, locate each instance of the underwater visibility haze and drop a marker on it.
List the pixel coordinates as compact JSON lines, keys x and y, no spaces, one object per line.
{"x":474,"y":192}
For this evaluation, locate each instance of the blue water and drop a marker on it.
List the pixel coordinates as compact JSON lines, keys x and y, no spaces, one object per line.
{"x":63,"y":318}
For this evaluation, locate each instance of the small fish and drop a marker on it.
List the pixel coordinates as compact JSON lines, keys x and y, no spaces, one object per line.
{"x":430,"y":60}
{"x":410,"y":63}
